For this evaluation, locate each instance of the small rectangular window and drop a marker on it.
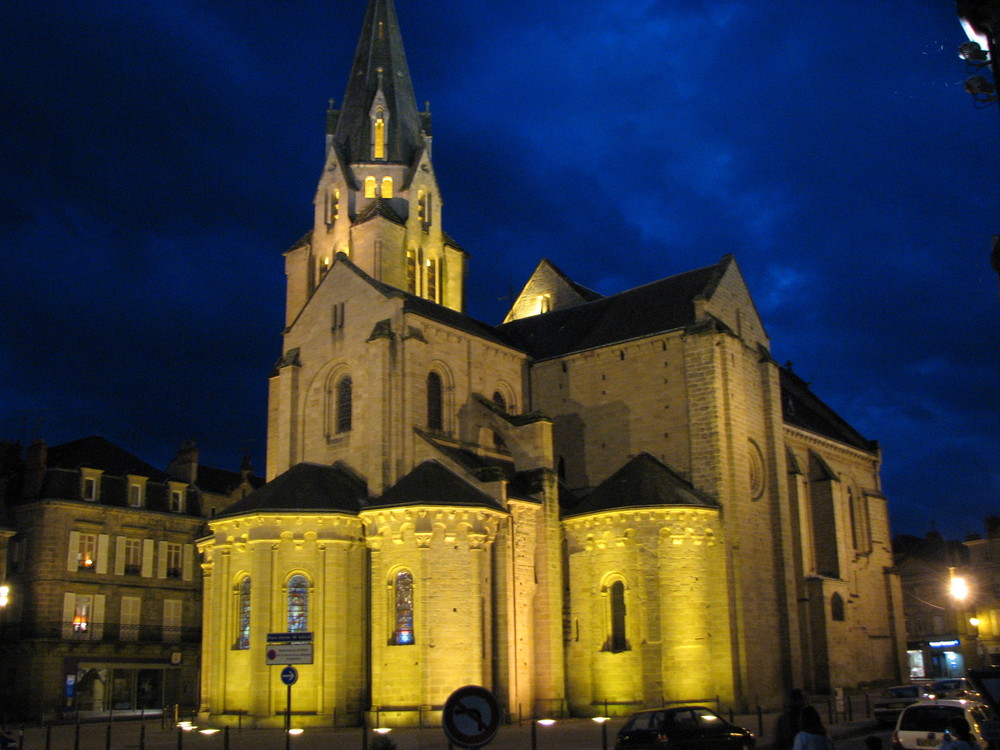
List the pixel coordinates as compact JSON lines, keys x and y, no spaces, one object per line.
{"x":133,"y":557}
{"x":89,"y":488}
{"x":86,"y":555}
{"x":176,"y":501}
{"x":135,"y":495}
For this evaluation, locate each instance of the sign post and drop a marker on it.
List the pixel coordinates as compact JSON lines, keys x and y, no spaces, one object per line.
{"x":471,"y":716}
{"x":289,"y":649}
{"x":289,"y":676}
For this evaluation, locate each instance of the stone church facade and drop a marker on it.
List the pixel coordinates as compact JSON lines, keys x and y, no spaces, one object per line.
{"x":602,"y":504}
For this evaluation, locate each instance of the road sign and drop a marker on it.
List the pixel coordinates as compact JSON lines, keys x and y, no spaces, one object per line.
{"x":289,"y":675}
{"x":471,"y":716}
{"x":289,"y":653}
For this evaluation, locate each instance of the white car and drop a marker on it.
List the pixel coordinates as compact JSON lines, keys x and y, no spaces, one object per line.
{"x":922,"y":726}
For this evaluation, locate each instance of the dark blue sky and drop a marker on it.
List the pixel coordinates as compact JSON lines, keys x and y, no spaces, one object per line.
{"x":158,"y":157}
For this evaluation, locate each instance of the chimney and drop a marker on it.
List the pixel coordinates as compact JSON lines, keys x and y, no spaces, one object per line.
{"x":184,"y":467}
{"x":34,"y":468}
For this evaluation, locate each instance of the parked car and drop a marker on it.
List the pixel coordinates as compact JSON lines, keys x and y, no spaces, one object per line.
{"x":894,"y":700}
{"x":951,"y":687}
{"x":682,"y":728}
{"x":923,"y":724}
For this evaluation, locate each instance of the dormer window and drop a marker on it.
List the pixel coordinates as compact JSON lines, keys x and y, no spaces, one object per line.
{"x":177,"y":499}
{"x":370,"y":187}
{"x":90,"y":488}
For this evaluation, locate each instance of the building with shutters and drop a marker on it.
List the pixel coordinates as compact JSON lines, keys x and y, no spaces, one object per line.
{"x":601,"y":504}
{"x":104,"y":610}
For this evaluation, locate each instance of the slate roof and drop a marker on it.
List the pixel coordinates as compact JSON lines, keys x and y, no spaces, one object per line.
{"x":305,"y":487}
{"x":800,"y":407}
{"x":664,"y":305}
{"x":642,"y":482}
{"x":430,"y":483}
{"x":96,"y":452}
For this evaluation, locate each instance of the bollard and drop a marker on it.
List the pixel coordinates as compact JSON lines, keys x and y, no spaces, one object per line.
{"x":20,"y":738}
{"x":760,"y":721}
{"x":76,"y":734}
{"x":48,"y":737}
{"x":850,"y":709}
{"x":225,"y":737}
{"x":732,"y":716}
{"x":107,"y":737}
{"x":142,"y":737}
{"x":180,"y":739}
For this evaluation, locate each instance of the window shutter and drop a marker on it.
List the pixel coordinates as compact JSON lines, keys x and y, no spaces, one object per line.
{"x":161,"y":565}
{"x":188,"y":562}
{"x":103,"y":548}
{"x":69,"y":609}
{"x":148,"y":550}
{"x":120,"y":556}
{"x":74,"y":550}
{"x":98,"y":627}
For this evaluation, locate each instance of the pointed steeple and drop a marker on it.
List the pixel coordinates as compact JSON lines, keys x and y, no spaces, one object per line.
{"x":378,"y":120}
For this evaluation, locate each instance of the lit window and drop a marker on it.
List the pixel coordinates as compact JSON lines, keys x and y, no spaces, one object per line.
{"x":435,"y":410}
{"x":370,"y":187}
{"x":298,"y":604}
{"x":344,"y":398}
{"x":336,"y":204}
{"x":86,"y":552}
{"x":386,"y":187}
{"x":421,"y":208}
{"x":617,"y":640}
{"x":82,"y":615}
{"x":403,"y":607}
{"x":378,"y":136}
{"x":411,"y":272}
{"x":432,"y":285}
{"x":243,"y":614}
{"x":544,"y":303}
{"x":174,"y":567}
{"x":133,"y":557}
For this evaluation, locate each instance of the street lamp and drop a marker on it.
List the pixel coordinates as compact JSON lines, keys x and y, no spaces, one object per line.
{"x":603,"y":721}
{"x":534,"y":724}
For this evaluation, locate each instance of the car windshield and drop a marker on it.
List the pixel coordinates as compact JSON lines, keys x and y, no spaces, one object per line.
{"x":928,"y":718}
{"x":905,"y":691}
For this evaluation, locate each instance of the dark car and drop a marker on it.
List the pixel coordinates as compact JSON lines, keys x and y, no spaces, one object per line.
{"x":682,"y":727}
{"x":896,"y":698}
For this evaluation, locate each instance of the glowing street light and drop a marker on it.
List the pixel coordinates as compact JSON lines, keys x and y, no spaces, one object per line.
{"x":535,"y":723}
{"x":603,"y":721}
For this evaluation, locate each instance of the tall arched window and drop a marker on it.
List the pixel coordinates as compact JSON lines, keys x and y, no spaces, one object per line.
{"x":432,"y":280}
{"x":378,"y":136}
{"x":345,"y":395}
{"x":499,"y":400}
{"x":370,"y":184}
{"x":435,"y":405}
{"x":617,"y":640}
{"x":243,"y":613}
{"x":837,"y":607}
{"x":411,"y":272}
{"x":386,"y":187}
{"x":298,"y":604}
{"x":402,"y":586}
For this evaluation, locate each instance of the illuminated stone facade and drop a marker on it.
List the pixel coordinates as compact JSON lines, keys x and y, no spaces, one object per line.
{"x":602,"y":504}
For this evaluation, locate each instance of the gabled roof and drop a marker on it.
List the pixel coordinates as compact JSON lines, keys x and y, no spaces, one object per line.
{"x":96,"y":452}
{"x":800,"y":407}
{"x":305,"y":487}
{"x":430,"y":483}
{"x":664,"y":305}
{"x":379,"y":64}
{"x":379,"y":207}
{"x":641,"y":483}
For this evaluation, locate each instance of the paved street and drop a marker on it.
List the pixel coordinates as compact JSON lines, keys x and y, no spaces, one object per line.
{"x":579,"y":734}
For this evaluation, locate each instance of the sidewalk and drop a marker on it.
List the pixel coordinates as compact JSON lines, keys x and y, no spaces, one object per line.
{"x":579,"y":734}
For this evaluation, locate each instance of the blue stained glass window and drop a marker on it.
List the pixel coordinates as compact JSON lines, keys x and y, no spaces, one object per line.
{"x":403,"y":586}
{"x":298,"y":604}
{"x":243,"y":614}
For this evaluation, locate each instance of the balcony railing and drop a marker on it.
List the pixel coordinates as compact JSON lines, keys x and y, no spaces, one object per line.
{"x":105,"y":632}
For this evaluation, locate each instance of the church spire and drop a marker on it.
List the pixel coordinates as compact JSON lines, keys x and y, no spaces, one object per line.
{"x":378,"y":120}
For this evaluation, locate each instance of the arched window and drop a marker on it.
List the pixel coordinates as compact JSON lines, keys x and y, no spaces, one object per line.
{"x":617,"y":641}
{"x":402,"y":587}
{"x":432,"y":279}
{"x":435,"y":406}
{"x":243,"y":613}
{"x":378,"y":136}
{"x":499,"y":400}
{"x":370,"y":184}
{"x":421,"y":207}
{"x":837,"y":607}
{"x":344,"y":397}
{"x":411,"y":272}
{"x":298,"y":604}
{"x":386,"y":187}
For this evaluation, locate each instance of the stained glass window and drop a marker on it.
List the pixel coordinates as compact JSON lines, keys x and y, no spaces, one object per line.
{"x":298,"y":604}
{"x":404,"y":608}
{"x":243,"y":614}
{"x":618,"y":641}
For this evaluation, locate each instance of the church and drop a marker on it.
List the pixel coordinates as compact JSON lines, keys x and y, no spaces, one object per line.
{"x":601,"y":504}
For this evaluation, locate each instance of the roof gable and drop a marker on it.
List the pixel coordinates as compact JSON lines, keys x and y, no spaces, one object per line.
{"x":556,"y":288}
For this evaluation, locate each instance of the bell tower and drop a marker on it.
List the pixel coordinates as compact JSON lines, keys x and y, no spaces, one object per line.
{"x":377,"y":200}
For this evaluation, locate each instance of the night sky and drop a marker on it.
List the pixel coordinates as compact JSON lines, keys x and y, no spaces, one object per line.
{"x":157,"y":158}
